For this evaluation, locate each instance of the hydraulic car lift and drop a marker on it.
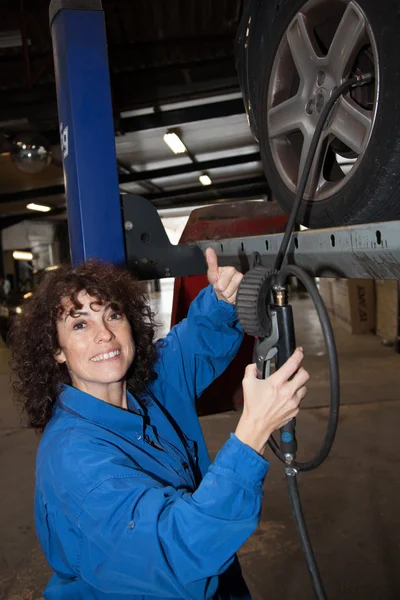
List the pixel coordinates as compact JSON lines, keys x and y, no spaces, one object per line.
{"x":97,"y":226}
{"x":127,"y":230}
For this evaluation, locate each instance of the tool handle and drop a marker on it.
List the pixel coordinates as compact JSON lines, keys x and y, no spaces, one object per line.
{"x":286,"y":346}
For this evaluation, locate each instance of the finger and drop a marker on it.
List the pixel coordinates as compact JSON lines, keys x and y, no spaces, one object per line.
{"x":300,"y":379}
{"x":251,"y":371}
{"x":290,"y":367}
{"x":231,"y":290}
{"x":301,"y":394}
{"x":212,"y":264}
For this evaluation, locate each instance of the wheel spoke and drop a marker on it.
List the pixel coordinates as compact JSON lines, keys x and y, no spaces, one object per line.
{"x":352,"y":125}
{"x":302,"y":48}
{"x":285,"y":118}
{"x":346,"y":42}
{"x":315,"y":176}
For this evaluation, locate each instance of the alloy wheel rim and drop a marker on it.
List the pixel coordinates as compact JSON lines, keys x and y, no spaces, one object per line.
{"x":326,"y":42}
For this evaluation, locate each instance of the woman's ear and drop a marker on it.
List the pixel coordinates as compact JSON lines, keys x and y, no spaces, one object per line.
{"x":60,"y":356}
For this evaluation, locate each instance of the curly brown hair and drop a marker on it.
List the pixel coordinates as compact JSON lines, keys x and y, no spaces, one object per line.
{"x":34,"y":341}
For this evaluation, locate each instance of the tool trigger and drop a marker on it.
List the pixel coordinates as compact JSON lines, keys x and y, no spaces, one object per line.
{"x":271,"y":354}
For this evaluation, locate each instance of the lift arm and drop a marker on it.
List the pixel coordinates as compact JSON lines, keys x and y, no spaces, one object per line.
{"x":355,"y":252}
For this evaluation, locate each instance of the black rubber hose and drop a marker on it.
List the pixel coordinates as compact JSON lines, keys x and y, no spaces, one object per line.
{"x":292,"y":469}
{"x":318,"y":587}
{"x":356,"y":81}
{"x":333,"y":364}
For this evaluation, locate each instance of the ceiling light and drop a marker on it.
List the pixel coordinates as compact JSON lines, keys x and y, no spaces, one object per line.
{"x":28,"y":295}
{"x":205,"y":180}
{"x":20,"y":255}
{"x":175,"y":143}
{"x":39,"y":207}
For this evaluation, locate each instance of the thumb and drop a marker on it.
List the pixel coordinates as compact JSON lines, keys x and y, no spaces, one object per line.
{"x":251,"y":372}
{"x":212,"y":263}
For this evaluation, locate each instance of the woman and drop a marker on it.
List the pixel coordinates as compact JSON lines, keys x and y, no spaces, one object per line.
{"x":127,"y":504}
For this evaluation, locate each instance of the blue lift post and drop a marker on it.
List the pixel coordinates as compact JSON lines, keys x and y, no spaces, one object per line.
{"x":87,"y":131}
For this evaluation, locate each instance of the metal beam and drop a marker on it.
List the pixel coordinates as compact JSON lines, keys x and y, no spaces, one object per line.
{"x":238,"y":188}
{"x":57,"y":190}
{"x":36,"y":194}
{"x":356,"y":252}
{"x":168,"y":118}
{"x":162,"y":119}
{"x":30,"y":216}
{"x":206,"y":165}
{"x":39,"y":106}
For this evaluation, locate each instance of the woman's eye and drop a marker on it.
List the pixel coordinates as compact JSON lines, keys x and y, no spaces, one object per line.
{"x":79,"y":325}
{"x":116,"y":316}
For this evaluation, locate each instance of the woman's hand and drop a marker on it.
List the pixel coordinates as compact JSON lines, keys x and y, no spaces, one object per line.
{"x":225,"y":280}
{"x":271,"y":403}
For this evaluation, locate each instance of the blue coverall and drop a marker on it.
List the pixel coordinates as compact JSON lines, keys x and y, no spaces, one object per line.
{"x":127,"y":504}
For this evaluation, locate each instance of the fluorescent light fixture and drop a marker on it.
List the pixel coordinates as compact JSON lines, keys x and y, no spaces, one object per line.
{"x":205,"y":180}
{"x":39,"y":207}
{"x":19,"y":255}
{"x":175,"y":143}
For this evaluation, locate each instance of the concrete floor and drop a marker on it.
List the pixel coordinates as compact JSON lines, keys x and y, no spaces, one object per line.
{"x":351,"y":502}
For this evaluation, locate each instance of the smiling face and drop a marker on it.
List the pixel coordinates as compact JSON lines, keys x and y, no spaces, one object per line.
{"x":96,"y":344}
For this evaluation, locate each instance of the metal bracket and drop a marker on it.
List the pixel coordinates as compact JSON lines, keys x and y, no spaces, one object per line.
{"x":149,"y":253}
{"x":369,"y":251}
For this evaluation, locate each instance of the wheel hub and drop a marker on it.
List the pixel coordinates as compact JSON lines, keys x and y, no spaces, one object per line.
{"x":317,"y":100}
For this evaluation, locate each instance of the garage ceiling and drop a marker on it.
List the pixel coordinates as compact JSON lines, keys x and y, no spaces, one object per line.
{"x":171,"y":65}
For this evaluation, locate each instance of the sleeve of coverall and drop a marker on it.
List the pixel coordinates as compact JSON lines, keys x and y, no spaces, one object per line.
{"x":199,"y":348}
{"x":138,"y":537}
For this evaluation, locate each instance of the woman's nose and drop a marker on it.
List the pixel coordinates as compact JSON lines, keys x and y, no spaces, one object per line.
{"x":104,"y":334}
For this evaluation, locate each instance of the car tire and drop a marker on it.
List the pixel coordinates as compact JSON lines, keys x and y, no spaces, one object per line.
{"x":371,"y":190}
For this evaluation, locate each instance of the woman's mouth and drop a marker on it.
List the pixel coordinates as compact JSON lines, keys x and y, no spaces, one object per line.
{"x":106,"y":356}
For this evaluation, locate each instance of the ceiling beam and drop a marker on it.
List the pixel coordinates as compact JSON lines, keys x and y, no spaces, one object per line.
{"x":131,"y":91}
{"x":241,"y":189}
{"x":179,"y":116}
{"x":29,"y":216}
{"x":207,"y":165}
{"x":46,"y":114}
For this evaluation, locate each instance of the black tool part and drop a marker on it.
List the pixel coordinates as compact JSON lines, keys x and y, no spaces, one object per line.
{"x":286,"y":346}
{"x":252,"y":300}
